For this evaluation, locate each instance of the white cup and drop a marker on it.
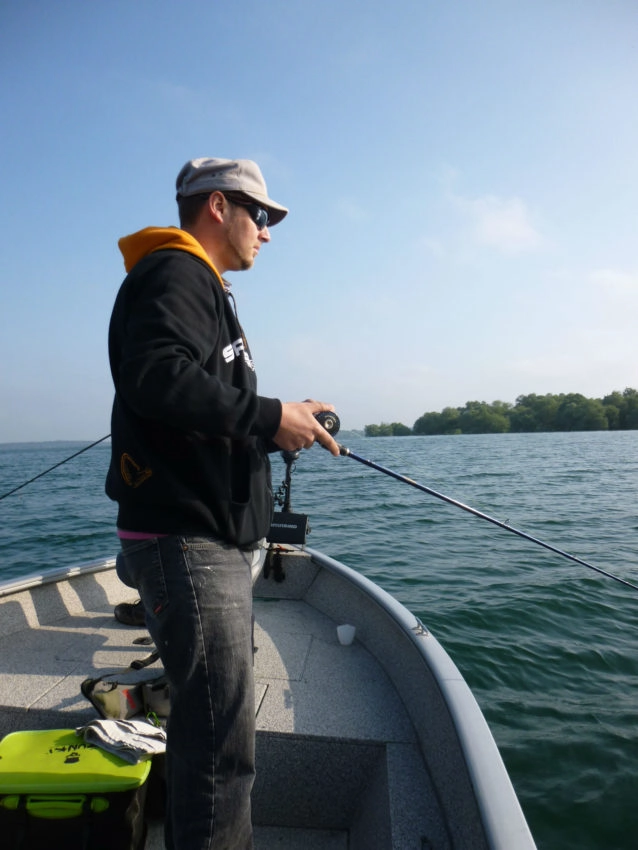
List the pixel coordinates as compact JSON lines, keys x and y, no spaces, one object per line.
{"x":345,"y":633}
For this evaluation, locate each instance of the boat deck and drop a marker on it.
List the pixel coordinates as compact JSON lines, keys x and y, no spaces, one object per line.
{"x":338,"y":761}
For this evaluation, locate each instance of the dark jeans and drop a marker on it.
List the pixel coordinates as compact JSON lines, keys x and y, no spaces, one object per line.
{"x":197,"y":597}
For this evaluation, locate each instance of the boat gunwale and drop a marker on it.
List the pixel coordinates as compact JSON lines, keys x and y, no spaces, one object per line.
{"x":18,"y":584}
{"x":503,"y":819}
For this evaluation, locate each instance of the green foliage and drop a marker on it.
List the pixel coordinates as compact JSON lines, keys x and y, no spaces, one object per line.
{"x":446,"y":422}
{"x":577,"y":413}
{"x":396,"y":429}
{"x":534,"y":413}
{"x":477,"y":417}
{"x":621,"y":410}
{"x":400,"y":430}
{"x":617,"y":411}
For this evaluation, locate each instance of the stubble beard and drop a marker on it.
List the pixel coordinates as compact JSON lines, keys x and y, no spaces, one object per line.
{"x":243,"y":257}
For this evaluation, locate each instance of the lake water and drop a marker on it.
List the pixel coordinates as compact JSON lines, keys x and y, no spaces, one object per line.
{"x":549,"y":647}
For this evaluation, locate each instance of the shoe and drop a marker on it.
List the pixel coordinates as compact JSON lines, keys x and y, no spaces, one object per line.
{"x":130,"y":613}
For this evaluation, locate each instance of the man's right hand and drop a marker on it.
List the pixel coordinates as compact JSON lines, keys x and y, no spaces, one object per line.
{"x":299,"y":429}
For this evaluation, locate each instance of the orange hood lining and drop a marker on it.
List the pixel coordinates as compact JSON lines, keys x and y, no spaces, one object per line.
{"x":138,"y":245}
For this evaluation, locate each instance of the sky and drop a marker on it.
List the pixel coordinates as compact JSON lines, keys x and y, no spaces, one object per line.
{"x":462,"y":182}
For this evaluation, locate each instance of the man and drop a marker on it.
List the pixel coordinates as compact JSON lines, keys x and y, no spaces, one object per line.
{"x":190,"y":471}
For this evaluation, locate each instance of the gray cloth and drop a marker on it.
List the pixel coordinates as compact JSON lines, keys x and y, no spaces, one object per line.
{"x":131,"y":740}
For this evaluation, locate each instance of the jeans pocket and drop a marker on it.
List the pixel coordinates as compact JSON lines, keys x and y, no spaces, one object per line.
{"x":122,"y":572}
{"x":140,"y":565}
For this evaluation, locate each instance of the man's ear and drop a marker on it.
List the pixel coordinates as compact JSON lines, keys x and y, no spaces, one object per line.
{"x":217,"y":206}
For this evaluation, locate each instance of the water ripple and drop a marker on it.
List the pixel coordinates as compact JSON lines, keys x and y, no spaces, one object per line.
{"x":549,"y":647}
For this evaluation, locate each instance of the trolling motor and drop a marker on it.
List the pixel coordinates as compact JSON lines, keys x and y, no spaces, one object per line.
{"x":286,"y":526}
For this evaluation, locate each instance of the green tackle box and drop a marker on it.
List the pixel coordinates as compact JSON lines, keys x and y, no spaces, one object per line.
{"x":58,"y":791}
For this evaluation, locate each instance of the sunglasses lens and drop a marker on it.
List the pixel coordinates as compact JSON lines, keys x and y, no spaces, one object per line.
{"x":258,"y":214}
{"x":260,"y":217}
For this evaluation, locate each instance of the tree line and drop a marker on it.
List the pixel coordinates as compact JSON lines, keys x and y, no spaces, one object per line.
{"x":531,"y":413}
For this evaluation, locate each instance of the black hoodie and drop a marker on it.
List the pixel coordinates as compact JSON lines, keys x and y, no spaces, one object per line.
{"x":188,"y":429}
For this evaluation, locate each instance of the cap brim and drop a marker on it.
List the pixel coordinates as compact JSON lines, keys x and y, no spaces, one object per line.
{"x":276,"y":212}
{"x":275,"y":215}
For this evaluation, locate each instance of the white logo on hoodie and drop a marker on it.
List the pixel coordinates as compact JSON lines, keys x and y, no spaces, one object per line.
{"x":234,"y":350}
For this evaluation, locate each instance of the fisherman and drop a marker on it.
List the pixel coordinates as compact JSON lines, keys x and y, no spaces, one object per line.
{"x":190,"y":471}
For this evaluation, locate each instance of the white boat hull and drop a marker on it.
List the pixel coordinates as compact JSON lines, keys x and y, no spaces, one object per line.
{"x":376,"y":744}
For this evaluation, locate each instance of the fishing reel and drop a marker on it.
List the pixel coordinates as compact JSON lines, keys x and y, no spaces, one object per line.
{"x":330,"y":422}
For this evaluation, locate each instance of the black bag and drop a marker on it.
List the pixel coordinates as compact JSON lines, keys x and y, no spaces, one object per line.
{"x":120,"y":825}
{"x":131,"y":692}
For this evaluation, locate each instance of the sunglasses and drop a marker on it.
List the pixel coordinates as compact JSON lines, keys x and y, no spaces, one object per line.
{"x":258,"y":214}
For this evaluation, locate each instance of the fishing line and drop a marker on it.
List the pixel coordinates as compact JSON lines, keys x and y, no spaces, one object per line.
{"x":330,"y":422}
{"x":333,"y":427}
{"x":55,"y":466}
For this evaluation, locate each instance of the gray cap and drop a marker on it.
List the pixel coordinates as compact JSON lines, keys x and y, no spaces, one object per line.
{"x":203,"y":175}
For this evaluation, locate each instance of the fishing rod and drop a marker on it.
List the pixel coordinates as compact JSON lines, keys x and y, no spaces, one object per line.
{"x":330,"y":422}
{"x":51,"y":468}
